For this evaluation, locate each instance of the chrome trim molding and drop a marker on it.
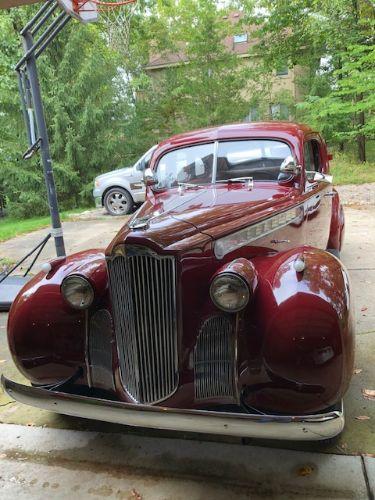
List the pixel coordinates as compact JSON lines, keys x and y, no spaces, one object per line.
{"x":244,"y":236}
{"x":299,"y":428}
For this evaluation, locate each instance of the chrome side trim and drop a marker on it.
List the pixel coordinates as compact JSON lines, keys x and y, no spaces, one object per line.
{"x":299,"y":428}
{"x":245,"y":236}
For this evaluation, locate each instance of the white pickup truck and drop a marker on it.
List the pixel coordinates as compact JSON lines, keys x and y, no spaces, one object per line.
{"x":119,"y":190}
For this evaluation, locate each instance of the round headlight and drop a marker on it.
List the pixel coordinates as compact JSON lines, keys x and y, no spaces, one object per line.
{"x":229,"y":292}
{"x":78,"y":292}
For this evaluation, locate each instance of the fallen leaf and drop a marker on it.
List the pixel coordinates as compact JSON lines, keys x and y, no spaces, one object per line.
{"x":362,"y":417}
{"x":30,"y":424}
{"x":363,"y":309}
{"x":357,"y":371}
{"x":3,"y":361}
{"x":305,"y":470}
{"x":368,"y":394}
{"x":135,"y":494}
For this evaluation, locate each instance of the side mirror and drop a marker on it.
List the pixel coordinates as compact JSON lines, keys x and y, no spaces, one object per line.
{"x":329,"y":156}
{"x":149,"y":178}
{"x":290,"y":167}
{"x":319,"y":177}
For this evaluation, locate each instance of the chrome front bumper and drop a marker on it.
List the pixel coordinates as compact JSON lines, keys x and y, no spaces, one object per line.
{"x":299,"y":428}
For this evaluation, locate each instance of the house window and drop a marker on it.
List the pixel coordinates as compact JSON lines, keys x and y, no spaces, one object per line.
{"x":279,"y":111}
{"x":253,"y":115}
{"x":282,"y":71}
{"x":240,"y":38}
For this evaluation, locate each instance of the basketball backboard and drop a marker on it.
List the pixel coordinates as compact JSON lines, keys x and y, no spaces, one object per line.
{"x":85,"y":11}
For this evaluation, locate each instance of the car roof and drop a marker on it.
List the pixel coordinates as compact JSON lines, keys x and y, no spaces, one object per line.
{"x":293,"y":133}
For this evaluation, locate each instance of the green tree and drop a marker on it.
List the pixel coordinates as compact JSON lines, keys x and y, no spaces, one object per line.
{"x":333,"y":40}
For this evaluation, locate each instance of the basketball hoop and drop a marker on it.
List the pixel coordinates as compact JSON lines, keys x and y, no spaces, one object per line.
{"x":115,"y":16}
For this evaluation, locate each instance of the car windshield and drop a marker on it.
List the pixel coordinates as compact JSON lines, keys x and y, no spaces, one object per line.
{"x":259,"y":159}
{"x":191,"y":165}
{"x":194,"y":165}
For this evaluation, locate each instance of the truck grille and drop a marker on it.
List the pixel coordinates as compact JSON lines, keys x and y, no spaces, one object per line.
{"x":143,"y":291}
{"x":214,"y":360}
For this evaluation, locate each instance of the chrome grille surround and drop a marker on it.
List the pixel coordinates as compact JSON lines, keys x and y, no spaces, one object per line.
{"x":143,"y":293}
{"x":215,"y":360}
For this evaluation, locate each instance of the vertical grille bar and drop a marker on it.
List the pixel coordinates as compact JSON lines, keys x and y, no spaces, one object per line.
{"x":143,"y":291}
{"x":214,"y":360}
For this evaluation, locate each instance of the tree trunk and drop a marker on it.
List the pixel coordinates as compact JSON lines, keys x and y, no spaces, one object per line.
{"x":361,"y":139}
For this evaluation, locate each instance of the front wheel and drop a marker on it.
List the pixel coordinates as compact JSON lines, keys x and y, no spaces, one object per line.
{"x":117,"y":201}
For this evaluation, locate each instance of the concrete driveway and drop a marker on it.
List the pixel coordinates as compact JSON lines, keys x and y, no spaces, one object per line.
{"x":358,"y":256}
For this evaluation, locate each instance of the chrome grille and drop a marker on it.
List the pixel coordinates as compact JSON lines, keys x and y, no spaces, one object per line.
{"x":214,"y":360}
{"x":143,"y":291}
{"x":100,"y":350}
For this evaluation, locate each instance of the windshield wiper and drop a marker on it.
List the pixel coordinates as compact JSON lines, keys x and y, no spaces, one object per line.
{"x":248,"y":180}
{"x":183,"y":186}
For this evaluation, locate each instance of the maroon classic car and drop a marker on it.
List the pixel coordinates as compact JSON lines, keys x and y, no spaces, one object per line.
{"x":220,"y":307}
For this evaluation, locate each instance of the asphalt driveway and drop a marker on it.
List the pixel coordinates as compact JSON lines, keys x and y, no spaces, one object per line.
{"x":358,"y":256}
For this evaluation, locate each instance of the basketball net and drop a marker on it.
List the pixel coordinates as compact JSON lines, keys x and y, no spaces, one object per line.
{"x":115,"y":17}
{"x":116,"y":20}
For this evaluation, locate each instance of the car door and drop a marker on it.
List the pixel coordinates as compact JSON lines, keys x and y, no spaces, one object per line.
{"x":318,"y":201}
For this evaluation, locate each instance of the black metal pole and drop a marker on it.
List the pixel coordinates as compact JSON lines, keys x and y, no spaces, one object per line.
{"x":32,"y":72}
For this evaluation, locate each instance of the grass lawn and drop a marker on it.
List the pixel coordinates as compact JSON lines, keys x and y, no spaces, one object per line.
{"x":10,"y":227}
{"x":346,"y":169}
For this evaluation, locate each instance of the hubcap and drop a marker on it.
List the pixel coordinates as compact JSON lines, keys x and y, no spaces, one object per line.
{"x":118,"y":203}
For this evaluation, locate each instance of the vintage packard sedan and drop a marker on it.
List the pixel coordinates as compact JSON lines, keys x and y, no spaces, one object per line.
{"x":220,"y":307}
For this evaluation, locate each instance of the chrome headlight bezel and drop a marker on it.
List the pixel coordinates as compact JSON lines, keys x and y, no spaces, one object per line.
{"x":230,"y":278}
{"x":87,"y":291}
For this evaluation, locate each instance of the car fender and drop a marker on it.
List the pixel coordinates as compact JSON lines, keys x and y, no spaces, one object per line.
{"x":46,"y":335}
{"x":307,"y":327}
{"x":123,"y":181}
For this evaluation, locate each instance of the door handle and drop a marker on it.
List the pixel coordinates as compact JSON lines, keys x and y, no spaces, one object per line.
{"x":332,"y":193}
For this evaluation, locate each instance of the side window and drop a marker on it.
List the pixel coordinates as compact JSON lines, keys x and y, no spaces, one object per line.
{"x":312,"y":156}
{"x":316,"y":155}
{"x":308,"y":156}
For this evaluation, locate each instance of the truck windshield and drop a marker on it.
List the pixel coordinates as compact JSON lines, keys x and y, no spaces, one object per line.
{"x":258,"y":159}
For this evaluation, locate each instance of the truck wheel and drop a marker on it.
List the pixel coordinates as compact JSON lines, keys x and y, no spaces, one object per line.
{"x":117,"y":201}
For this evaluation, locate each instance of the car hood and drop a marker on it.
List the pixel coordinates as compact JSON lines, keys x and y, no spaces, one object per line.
{"x":113,"y":173}
{"x":169,"y":218}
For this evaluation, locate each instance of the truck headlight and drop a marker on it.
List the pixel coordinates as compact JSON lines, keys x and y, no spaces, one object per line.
{"x":229,"y":292}
{"x":77,"y":291}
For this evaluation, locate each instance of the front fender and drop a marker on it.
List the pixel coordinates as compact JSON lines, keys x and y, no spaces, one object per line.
{"x":46,"y":336}
{"x":307,"y":327}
